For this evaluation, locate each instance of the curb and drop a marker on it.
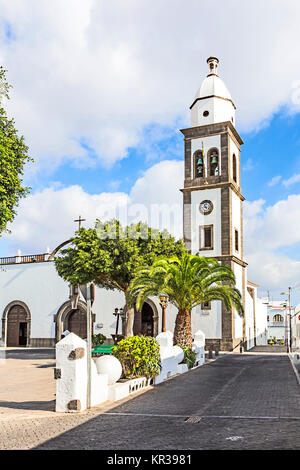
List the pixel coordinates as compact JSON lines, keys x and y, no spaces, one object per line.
{"x":295,"y":369}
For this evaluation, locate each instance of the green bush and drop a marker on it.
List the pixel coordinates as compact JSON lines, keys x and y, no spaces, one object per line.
{"x":189,"y":356}
{"x":139,"y":356}
{"x":98,"y":339}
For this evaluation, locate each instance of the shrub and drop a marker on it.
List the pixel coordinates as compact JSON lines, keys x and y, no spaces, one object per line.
{"x":139,"y":356}
{"x":189,"y":356}
{"x":98,"y":339}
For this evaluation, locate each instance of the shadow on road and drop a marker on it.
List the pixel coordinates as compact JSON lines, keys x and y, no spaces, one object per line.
{"x":29,"y":405}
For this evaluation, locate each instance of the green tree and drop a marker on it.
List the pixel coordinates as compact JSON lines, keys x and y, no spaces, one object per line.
{"x":189,"y":281}
{"x":110,"y":255}
{"x":13,"y":156}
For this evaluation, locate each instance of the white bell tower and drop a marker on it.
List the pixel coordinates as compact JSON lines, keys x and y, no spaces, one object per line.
{"x":213,"y":219}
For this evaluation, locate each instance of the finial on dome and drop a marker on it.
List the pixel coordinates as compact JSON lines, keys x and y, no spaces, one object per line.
{"x":212,"y":66}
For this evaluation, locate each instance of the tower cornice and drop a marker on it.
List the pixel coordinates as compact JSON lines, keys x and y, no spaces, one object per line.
{"x":203,"y":187}
{"x":211,"y":129}
{"x":212,"y":96}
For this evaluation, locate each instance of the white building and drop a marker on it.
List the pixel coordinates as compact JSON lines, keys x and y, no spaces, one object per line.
{"x":278,"y":321}
{"x":35,"y":302}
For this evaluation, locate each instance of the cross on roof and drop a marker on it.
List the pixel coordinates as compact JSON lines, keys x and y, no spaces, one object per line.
{"x":79,"y":220}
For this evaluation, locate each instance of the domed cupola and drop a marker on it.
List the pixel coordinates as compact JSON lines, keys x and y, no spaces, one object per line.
{"x":213,"y":102}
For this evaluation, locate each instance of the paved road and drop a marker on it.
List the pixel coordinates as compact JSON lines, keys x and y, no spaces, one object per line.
{"x":244,"y":402}
{"x":26,"y":381}
{"x":238,"y":402}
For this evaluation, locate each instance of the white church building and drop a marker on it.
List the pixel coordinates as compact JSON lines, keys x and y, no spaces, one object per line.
{"x":34,"y":301}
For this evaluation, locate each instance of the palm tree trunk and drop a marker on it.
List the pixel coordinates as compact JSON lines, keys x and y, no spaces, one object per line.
{"x":183,"y":329}
{"x":130,"y":321}
{"x":130,"y":316}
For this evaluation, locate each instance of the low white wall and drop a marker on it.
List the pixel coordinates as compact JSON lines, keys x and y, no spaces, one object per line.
{"x":71,"y":372}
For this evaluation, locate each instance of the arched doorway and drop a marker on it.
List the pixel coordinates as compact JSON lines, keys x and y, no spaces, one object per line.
{"x":74,"y":320}
{"x":149,"y":319}
{"x":16,"y":322}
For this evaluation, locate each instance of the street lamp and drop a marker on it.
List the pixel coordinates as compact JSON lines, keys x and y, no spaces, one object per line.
{"x":118,"y":313}
{"x":289,"y":344}
{"x":163,"y":300}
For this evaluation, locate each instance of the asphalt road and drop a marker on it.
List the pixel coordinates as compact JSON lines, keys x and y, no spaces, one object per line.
{"x":237,"y":402}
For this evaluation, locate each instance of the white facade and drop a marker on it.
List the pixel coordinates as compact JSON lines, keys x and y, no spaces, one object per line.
{"x":39,"y":287}
{"x":278,"y":324}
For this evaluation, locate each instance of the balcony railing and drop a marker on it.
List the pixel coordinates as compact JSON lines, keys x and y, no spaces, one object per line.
{"x":276,"y":323}
{"x":24,"y":259}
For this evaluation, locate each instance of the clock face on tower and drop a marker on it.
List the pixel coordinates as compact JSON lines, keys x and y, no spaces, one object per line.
{"x":206,"y":207}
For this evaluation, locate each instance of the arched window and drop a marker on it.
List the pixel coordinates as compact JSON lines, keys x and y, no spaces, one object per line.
{"x":213,"y":159}
{"x":199,"y":164}
{"x":234,"y":171}
{"x":277,"y":318}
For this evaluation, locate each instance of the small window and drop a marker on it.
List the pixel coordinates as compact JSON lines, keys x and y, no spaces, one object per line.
{"x":206,"y":237}
{"x":206,"y":306}
{"x":278,"y":318}
{"x":206,"y":113}
{"x":234,"y":171}
{"x":236,"y":240}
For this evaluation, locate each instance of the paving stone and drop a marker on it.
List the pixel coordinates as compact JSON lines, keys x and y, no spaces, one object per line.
{"x":247,"y":401}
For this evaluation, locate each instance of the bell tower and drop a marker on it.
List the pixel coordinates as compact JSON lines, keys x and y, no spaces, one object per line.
{"x":212,"y":199}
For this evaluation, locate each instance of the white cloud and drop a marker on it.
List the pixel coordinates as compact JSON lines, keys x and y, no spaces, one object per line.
{"x":274,"y":180}
{"x":46,"y":218}
{"x":273,"y":271}
{"x":266,"y":231}
{"x":251,"y":209}
{"x":293,"y":179}
{"x":98,"y":72}
{"x":274,"y":227}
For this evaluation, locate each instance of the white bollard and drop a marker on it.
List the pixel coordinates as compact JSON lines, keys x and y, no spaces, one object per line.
{"x":170,"y":356}
{"x":199,"y":347}
{"x":71,"y":376}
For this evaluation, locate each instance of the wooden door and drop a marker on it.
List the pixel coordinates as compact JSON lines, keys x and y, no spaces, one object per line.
{"x":147,"y":320}
{"x":77,"y":323}
{"x":16,"y":315}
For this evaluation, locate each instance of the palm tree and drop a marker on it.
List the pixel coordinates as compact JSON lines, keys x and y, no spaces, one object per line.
{"x":190,"y":281}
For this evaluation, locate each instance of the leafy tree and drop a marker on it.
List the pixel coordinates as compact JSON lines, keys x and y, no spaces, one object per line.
{"x":13,"y":156}
{"x":110,"y":255}
{"x":189,"y":281}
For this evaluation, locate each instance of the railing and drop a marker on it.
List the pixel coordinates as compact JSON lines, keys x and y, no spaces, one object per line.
{"x":24,"y":259}
{"x":276,"y":323}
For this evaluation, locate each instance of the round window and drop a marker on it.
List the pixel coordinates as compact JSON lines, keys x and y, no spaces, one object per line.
{"x":205,"y":113}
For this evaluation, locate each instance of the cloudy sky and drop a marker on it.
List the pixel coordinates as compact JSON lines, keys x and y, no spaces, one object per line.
{"x":101,"y":89}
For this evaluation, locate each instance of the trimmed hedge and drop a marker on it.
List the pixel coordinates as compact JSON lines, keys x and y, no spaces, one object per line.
{"x":139,"y":356}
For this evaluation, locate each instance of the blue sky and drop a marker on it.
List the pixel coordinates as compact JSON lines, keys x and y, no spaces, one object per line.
{"x":101,"y":97}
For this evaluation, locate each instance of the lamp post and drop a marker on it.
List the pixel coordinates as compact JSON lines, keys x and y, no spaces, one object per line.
{"x":290,"y":342}
{"x":118,"y":313}
{"x":163,"y":300}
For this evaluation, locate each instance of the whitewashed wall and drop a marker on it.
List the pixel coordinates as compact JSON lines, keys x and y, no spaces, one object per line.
{"x":261,"y":313}
{"x":219,"y":111}
{"x":213,"y":218}
{"x":40,"y":288}
{"x":238,"y":320}
{"x":208,"y":321}
{"x":249,"y":320}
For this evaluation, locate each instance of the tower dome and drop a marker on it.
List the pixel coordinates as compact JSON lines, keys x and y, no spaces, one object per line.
{"x":213,"y":102}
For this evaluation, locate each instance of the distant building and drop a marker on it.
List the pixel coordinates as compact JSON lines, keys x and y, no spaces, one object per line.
{"x":278,"y":323}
